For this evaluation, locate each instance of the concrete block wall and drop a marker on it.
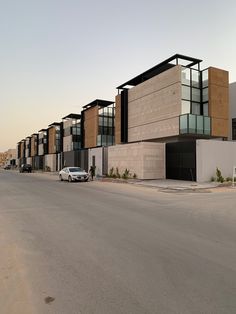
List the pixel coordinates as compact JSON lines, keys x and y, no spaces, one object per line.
{"x":214,"y":153}
{"x":145,"y":159}
{"x":99,"y":161}
{"x":155,"y":106}
{"x":51,"y":161}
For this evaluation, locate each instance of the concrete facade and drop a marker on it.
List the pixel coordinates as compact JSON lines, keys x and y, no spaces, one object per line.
{"x":51,"y":162}
{"x":211,"y":154}
{"x":145,"y":159}
{"x":154,"y":107}
{"x":99,"y":156}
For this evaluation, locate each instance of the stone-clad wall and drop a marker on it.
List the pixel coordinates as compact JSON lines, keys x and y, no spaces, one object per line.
{"x":145,"y":159}
{"x":154,"y":107}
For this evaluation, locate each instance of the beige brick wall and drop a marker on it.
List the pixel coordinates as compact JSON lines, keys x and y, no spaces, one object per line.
{"x":155,"y":106}
{"x":145,"y":159}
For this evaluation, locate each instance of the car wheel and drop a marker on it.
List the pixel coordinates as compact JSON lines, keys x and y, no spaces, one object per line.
{"x":60,"y":178}
{"x":70,"y":179}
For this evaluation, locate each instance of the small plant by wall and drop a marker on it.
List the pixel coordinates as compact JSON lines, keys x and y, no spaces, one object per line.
{"x":219,"y":177}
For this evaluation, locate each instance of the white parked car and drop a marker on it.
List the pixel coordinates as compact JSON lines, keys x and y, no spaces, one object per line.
{"x":73,"y":174}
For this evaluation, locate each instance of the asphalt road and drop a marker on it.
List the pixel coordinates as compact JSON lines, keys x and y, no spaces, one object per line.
{"x":114,"y":248}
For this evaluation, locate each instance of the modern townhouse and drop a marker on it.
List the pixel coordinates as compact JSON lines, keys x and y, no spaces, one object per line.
{"x":34,"y":151}
{"x":98,"y":132}
{"x":162,"y":114}
{"x":21,"y":152}
{"x":73,"y":152}
{"x":52,"y":160}
{"x":42,"y":147}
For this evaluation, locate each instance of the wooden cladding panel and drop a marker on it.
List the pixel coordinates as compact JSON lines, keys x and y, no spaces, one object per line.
{"x":52,"y":140}
{"x":90,"y":127}
{"x":118,"y":120}
{"x":218,"y":93}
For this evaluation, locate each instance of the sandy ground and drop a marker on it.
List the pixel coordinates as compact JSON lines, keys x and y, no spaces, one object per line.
{"x":14,"y":290}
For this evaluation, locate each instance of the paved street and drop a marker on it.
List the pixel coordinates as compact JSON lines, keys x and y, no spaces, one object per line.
{"x":114,"y":248}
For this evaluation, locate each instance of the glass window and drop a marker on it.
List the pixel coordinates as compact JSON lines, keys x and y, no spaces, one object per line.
{"x":195,"y":78}
{"x":99,"y":140}
{"x":185,"y":76}
{"x":185,"y":92}
{"x":100,"y":120}
{"x":207,"y":126}
{"x":199,"y":124}
{"x":185,"y":107}
{"x":196,"y":96}
{"x":205,"y":78}
{"x":192,"y":123}
{"x":184,"y":124}
{"x":205,"y":109}
{"x":205,"y":94}
{"x":105,"y":121}
{"x":196,"y":108}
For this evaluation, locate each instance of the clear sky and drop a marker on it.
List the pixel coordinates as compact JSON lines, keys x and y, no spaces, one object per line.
{"x":58,"y":55}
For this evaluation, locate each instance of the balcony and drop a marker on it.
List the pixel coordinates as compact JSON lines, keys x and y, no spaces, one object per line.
{"x":195,"y":124}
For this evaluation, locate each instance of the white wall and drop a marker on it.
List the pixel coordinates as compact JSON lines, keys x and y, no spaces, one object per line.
{"x":50,"y":161}
{"x":211,"y":154}
{"x":232,"y":106}
{"x":145,"y":159}
{"x":98,"y":153}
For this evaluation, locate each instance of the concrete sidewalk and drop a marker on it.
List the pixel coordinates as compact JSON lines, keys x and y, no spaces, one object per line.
{"x":176,"y":184}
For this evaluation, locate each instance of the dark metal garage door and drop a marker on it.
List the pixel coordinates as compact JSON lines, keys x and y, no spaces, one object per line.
{"x":181,"y":161}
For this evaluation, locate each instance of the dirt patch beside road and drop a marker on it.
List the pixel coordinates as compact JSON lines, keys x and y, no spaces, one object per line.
{"x":14,"y":289}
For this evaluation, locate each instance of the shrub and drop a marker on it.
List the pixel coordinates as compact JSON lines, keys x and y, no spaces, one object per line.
{"x":135,"y":176}
{"x":111,"y":172}
{"x":228,"y":179}
{"x":117,"y":173}
{"x":213,"y":179}
{"x":126,"y":174}
{"x":219,"y":177}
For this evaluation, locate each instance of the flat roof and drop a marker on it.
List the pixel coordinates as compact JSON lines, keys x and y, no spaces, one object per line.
{"x":43,"y":130}
{"x":54,"y":124}
{"x":161,"y":67}
{"x":72,"y":116}
{"x":98,"y":102}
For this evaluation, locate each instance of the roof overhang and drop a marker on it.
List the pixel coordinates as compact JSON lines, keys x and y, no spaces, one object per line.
{"x":165,"y":65}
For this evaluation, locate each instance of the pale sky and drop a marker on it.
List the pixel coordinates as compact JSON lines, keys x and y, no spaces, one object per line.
{"x":58,"y":55}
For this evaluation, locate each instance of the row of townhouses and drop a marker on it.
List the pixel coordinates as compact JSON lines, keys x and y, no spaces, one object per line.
{"x":174,"y":121}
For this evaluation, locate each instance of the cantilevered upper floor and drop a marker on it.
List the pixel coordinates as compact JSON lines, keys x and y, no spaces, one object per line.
{"x":174,"y":99}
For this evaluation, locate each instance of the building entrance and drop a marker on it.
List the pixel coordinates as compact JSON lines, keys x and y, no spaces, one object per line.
{"x":181,"y":161}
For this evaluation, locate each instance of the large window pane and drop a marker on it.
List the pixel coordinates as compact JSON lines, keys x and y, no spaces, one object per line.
{"x":196,"y":95}
{"x":185,"y":107}
{"x":205,"y":78}
{"x":184,"y":124}
{"x":99,"y":140}
{"x":207,"y":126}
{"x":192,"y":123}
{"x":185,"y":76}
{"x":185,"y":92}
{"x":199,"y":124}
{"x":195,"y":78}
{"x":205,"y":94}
{"x":196,"y":108}
{"x":205,"y":109}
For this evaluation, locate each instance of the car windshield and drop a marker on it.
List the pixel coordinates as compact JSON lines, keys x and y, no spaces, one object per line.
{"x":77,"y":169}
